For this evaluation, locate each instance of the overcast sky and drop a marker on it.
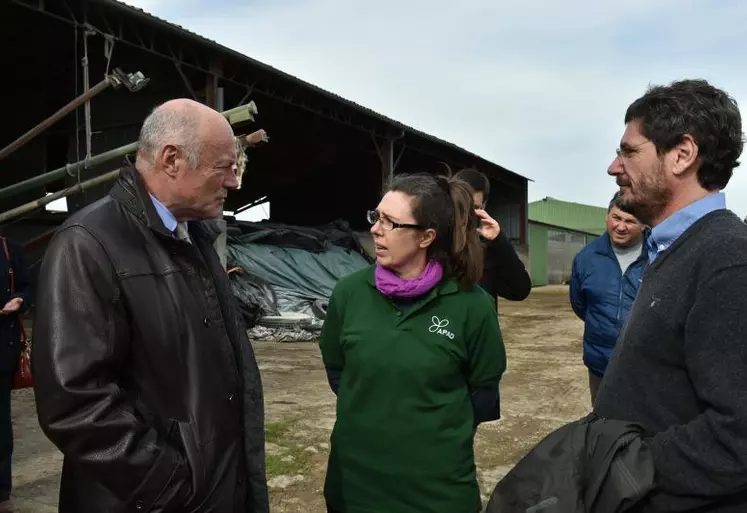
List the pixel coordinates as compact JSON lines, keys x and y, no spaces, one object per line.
{"x":538,"y":86}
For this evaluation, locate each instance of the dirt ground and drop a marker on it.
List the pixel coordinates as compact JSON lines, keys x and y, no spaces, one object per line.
{"x":544,"y":387}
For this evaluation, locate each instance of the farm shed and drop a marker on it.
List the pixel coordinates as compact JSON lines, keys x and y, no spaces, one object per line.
{"x":558,"y":230}
{"x":326,"y":161}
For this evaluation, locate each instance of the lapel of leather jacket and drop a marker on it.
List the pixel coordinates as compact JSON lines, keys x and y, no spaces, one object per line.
{"x":130,"y":191}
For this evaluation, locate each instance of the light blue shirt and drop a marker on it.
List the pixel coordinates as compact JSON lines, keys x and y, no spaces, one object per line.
{"x":664,"y":234}
{"x":169,"y":221}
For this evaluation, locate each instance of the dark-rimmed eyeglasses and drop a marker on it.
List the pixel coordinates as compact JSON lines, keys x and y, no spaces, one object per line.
{"x":373,"y":217}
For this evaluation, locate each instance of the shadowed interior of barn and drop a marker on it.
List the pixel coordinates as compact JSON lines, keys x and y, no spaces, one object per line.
{"x":326,"y":159}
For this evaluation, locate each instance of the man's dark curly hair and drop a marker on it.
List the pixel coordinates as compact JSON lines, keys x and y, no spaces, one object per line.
{"x":695,"y":107}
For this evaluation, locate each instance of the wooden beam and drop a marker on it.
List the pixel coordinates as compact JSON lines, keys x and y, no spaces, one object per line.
{"x":211,"y":84}
{"x":387,"y":163}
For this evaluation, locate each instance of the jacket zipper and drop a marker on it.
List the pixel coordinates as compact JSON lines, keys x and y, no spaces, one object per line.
{"x":619,"y":301}
{"x":620,"y":291}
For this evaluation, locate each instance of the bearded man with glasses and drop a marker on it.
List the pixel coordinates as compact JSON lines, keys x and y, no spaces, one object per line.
{"x":679,"y":364}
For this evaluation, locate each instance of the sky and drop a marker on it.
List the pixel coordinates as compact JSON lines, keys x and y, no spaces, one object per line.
{"x":539,"y":86}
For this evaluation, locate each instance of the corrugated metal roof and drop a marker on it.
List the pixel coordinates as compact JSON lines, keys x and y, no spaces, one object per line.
{"x":173,"y":26}
{"x":566,"y":214}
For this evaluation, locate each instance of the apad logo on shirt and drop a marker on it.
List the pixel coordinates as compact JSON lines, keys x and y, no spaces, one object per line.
{"x":439,"y":327}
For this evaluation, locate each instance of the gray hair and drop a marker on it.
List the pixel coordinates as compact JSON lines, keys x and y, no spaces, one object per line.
{"x":170,"y":126}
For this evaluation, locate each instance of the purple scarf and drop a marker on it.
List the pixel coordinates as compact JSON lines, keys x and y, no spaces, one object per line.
{"x":392,"y":285}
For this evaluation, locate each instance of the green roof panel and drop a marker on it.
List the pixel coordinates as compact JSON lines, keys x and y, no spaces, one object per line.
{"x":565,"y":214}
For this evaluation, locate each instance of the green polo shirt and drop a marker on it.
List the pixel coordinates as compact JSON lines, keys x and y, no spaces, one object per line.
{"x":403,"y":439}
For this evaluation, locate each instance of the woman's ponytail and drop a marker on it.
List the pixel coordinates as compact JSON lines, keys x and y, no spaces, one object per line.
{"x":445,"y":204}
{"x":466,"y":252}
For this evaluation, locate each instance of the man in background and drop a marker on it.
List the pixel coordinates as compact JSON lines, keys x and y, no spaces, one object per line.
{"x":16,"y":294}
{"x":143,"y":374}
{"x":679,"y":366}
{"x":605,"y":278}
{"x":504,"y":273}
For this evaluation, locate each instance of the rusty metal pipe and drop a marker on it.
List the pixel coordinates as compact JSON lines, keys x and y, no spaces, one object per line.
{"x":133,"y":82}
{"x":51,"y":120}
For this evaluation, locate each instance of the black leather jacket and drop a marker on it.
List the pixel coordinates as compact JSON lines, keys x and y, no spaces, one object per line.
{"x":143,"y":374}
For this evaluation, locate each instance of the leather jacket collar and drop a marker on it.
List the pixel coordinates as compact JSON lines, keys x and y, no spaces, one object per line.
{"x":130,"y":191}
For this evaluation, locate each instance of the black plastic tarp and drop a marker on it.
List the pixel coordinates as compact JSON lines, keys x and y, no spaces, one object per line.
{"x":310,"y":238}
{"x":256,"y":296}
{"x":301,"y":265}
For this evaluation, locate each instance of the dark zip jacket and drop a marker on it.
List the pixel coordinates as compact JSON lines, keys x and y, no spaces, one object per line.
{"x":504,"y":273}
{"x":10,"y":325}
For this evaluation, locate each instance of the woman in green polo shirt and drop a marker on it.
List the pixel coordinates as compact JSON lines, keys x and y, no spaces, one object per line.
{"x":414,"y":352}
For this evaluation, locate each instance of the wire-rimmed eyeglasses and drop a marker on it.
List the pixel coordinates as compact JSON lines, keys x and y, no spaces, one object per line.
{"x":626,"y":151}
{"x":372,"y":216}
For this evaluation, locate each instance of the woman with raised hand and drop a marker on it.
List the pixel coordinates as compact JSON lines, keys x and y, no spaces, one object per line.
{"x":414,"y":352}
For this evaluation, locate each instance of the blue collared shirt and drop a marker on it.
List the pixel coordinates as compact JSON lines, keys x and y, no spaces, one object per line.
{"x":169,"y":221}
{"x":664,"y":234}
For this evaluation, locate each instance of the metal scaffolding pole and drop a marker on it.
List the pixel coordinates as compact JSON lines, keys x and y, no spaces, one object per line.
{"x":234,"y":116}
{"x":39,"y":203}
{"x":133,"y":82}
{"x":69,"y":169}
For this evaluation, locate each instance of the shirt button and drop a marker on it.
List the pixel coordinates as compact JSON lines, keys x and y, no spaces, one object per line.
{"x":206,"y":322}
{"x":230,"y":398}
{"x":138,"y":505}
{"x":662,"y":247}
{"x":399,"y":314}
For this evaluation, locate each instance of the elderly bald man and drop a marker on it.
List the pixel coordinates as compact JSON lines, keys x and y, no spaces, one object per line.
{"x":144,"y":377}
